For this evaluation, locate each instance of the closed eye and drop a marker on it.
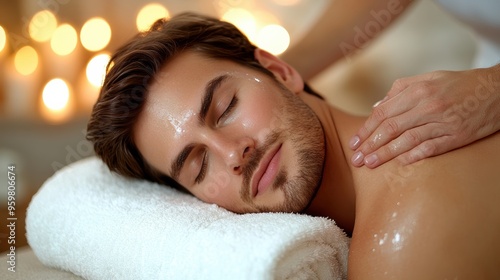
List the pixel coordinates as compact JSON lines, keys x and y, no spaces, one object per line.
{"x":203,"y":169}
{"x":204,"y":164}
{"x":229,"y":108}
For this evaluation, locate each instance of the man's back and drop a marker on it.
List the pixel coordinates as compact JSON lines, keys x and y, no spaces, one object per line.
{"x":438,"y":218}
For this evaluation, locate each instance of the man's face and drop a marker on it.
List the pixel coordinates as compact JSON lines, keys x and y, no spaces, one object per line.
{"x":231,"y":136}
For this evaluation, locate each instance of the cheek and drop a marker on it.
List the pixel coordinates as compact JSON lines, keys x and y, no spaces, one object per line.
{"x":260,"y":118}
{"x":219,"y":188}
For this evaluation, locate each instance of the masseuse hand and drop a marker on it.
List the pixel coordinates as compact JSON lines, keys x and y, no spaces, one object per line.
{"x":428,"y":115}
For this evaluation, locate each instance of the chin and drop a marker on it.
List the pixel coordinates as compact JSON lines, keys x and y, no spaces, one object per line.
{"x":285,"y":199}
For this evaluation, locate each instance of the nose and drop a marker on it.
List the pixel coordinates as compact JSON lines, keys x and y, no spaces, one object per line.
{"x":234,"y":152}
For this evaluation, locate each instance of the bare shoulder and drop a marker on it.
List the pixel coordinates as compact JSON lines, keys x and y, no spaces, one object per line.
{"x":438,"y":219}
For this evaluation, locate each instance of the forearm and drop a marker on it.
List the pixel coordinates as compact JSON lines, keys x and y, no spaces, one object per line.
{"x":475,"y":111}
{"x":491,"y":90}
{"x":482,"y":102}
{"x":344,"y":27}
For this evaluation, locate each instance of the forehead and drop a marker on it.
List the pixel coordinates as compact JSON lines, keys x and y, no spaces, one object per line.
{"x":177,"y":89}
{"x":172,"y":104}
{"x":183,"y":79}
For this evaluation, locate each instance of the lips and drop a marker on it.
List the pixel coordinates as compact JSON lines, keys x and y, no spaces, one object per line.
{"x":266,"y":171}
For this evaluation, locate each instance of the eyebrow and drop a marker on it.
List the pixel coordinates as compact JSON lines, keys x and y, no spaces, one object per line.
{"x":206,"y":101}
{"x":179,"y":161}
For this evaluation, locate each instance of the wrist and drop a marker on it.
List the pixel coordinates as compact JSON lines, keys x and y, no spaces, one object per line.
{"x":496,"y":93}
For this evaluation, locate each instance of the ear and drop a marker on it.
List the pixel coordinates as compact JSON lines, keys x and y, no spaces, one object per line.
{"x":283,"y":72}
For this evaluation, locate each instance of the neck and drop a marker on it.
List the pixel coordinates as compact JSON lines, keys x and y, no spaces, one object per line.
{"x":335,"y":197}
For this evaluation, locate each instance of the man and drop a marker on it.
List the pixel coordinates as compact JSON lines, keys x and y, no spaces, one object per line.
{"x":193,"y":104}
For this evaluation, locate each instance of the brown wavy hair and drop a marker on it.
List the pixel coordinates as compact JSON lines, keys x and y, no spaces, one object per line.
{"x":132,"y":69}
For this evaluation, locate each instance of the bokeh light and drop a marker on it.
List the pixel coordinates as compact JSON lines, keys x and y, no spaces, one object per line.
{"x":95,"y":34}
{"x":242,"y":19}
{"x":273,"y":38}
{"x":287,"y":2}
{"x":55,"y":94}
{"x":42,"y":26}
{"x":56,"y":102}
{"x":64,"y":40}
{"x":264,"y":17}
{"x":149,"y":14}
{"x":96,"y":69}
{"x":3,"y":39}
{"x":26,"y":60}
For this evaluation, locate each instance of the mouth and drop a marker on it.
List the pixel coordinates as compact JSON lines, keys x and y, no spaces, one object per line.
{"x":266,"y":172}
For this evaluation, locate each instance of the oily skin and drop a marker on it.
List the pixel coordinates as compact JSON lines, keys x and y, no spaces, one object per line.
{"x":404,"y":226}
{"x":231,"y":141}
{"x":435,"y":219}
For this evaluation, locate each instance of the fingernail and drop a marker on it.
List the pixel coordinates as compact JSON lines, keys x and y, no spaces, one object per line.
{"x":377,"y":103}
{"x":354,"y":142}
{"x":357,"y":158}
{"x":380,"y":101}
{"x":371,"y":159}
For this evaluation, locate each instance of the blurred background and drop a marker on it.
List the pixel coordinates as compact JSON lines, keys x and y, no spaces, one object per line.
{"x":53,"y":54}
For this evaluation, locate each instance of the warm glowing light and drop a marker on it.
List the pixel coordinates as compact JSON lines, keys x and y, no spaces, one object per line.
{"x":95,"y":34}
{"x":274,"y":39}
{"x":287,"y":2}
{"x":96,"y":69}
{"x":55,"y":95}
{"x":56,"y":102}
{"x":264,"y":18}
{"x":26,"y":60}
{"x":64,"y":40}
{"x":42,"y":26}
{"x":242,"y":19}
{"x":3,"y":38}
{"x":149,"y":14}
{"x":87,"y":94}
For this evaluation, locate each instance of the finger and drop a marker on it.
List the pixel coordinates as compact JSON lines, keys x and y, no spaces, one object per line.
{"x":380,"y":101}
{"x":402,"y":84}
{"x":394,"y":127}
{"x":405,"y":142}
{"x":394,"y":104}
{"x":379,"y":114}
{"x":430,"y":148}
{"x":397,"y":87}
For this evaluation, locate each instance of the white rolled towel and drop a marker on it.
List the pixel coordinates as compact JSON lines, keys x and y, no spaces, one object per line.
{"x":100,"y":225}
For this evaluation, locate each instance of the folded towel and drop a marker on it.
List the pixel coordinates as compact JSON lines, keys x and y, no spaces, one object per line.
{"x":99,"y":225}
